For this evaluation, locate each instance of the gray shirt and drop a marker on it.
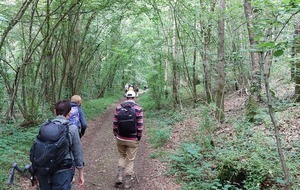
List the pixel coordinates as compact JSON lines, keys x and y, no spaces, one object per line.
{"x":76,"y":152}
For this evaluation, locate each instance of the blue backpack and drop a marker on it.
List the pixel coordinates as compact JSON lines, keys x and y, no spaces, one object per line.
{"x":74,"y":116}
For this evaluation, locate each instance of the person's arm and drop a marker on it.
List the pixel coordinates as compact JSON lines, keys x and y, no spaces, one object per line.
{"x":140,"y":122}
{"x":82,"y":121}
{"x":115,"y":122}
{"x":80,"y":178}
{"x":77,"y":152}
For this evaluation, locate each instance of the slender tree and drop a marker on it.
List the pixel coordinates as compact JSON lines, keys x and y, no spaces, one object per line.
{"x":206,"y":57}
{"x":255,"y":88}
{"x":297,"y":62}
{"x":220,"y":112}
{"x":175,"y":63}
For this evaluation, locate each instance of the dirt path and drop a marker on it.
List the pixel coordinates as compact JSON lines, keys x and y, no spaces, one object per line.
{"x":101,"y":158}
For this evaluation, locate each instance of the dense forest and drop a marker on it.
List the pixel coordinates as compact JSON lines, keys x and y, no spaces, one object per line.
{"x":190,"y":54}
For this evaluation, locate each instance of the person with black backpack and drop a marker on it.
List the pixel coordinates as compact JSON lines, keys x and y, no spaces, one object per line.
{"x":127,"y":128}
{"x":56,"y":151}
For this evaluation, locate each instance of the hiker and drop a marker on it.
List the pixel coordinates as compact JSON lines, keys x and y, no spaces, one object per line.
{"x":77,"y":116}
{"x":61,"y":179}
{"x":128,"y":132}
{"x":130,"y":88}
{"x":126,"y":87}
{"x":136,"y":90}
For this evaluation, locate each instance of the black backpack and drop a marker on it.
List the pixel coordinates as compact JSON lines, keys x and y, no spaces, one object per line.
{"x":52,"y":144}
{"x":127,"y":120}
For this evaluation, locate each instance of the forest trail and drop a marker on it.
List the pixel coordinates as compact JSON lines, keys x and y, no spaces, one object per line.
{"x":101,"y":158}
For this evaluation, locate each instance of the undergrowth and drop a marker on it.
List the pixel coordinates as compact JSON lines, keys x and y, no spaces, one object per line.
{"x":159,"y":122}
{"x":15,"y":142}
{"x":243,"y":156}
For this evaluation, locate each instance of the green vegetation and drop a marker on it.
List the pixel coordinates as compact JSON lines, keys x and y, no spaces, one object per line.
{"x":93,"y":108}
{"x":159,"y":122}
{"x":16,"y":141}
{"x":193,"y":55}
{"x":243,"y":156}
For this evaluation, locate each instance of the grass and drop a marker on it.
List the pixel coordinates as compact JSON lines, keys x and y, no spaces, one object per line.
{"x":15,"y":142}
{"x":159,"y":122}
{"x":95,"y":107}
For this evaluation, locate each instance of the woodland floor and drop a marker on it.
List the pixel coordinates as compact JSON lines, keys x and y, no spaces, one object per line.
{"x":101,"y":156}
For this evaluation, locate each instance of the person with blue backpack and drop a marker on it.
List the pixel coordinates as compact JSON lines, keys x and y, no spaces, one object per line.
{"x":77,"y":115}
{"x":127,"y":128}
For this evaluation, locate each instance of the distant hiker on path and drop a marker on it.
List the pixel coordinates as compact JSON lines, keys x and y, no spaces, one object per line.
{"x":127,"y":128}
{"x":126,"y":87}
{"x":136,"y":90}
{"x":77,"y":115}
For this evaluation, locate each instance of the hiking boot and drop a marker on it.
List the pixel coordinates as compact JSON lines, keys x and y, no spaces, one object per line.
{"x":119,"y":180}
{"x":127,"y":182}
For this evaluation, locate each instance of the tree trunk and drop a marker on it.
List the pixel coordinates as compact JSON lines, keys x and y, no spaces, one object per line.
{"x":276,"y":128}
{"x":195,"y":79}
{"x":220,"y":115}
{"x":297,"y":63}
{"x":206,"y":35}
{"x":255,"y":88}
{"x":175,"y":81}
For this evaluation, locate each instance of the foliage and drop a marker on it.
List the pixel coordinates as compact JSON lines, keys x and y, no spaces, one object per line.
{"x":160,"y":154}
{"x":157,"y":85}
{"x":247,"y":161}
{"x":148,"y":101}
{"x":49,"y":51}
{"x":251,"y":109}
{"x":14,"y":145}
{"x":159,"y":122}
{"x":243,"y":158}
{"x":159,"y":136}
{"x":159,"y":130}
{"x":94,"y":107}
{"x":15,"y":142}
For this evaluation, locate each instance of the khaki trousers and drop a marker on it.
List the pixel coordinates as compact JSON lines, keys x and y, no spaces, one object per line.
{"x":127,"y":152}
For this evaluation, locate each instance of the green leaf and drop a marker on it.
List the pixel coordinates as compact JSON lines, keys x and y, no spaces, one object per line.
{"x":269,"y":44}
{"x":278,"y":52}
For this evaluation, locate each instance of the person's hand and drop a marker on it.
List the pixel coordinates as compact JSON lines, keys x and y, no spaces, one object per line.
{"x":82,"y":132}
{"x":80,"y":182}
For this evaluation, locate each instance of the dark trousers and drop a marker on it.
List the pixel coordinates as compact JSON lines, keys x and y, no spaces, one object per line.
{"x":61,"y":180}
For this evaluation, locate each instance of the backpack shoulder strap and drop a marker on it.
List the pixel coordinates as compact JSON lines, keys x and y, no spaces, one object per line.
{"x":67,"y":125}
{"x":128,"y":104}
